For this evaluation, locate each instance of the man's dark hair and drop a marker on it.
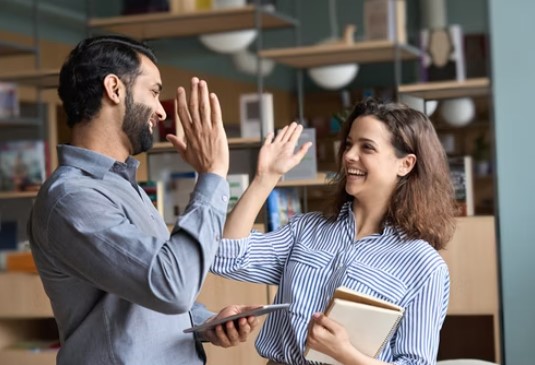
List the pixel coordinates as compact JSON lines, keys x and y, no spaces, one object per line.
{"x":82,"y":75}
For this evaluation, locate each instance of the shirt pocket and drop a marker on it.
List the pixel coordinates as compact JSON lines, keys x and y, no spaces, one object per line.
{"x":313,"y":259}
{"x":375,"y":282}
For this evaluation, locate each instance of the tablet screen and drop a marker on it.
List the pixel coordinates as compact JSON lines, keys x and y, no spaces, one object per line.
{"x":260,"y":311}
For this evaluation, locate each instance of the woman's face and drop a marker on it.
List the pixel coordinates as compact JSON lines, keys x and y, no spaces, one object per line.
{"x":371,"y":166}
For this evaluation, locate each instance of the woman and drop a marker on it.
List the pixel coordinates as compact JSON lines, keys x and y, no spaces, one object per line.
{"x":392,"y":210}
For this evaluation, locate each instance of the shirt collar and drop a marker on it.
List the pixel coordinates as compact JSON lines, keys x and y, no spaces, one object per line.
{"x":347,"y":214}
{"x":92,"y":162}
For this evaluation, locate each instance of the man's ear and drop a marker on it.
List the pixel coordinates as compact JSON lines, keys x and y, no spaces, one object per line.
{"x":113,"y":88}
{"x":406,"y":164}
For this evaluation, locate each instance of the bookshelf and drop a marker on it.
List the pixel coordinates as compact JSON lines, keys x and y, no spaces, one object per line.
{"x":167,"y":24}
{"x":234,"y":143}
{"x":42,"y":78}
{"x":321,"y":179}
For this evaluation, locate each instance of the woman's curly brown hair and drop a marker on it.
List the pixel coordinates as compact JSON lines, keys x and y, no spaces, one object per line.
{"x":422,"y":204}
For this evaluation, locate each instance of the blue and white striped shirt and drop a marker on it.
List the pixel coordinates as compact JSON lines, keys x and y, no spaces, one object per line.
{"x":311,"y":256}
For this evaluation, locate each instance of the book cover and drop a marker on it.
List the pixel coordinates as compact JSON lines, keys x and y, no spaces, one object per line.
{"x":155,"y":191}
{"x":237,"y":183}
{"x":385,"y":20}
{"x":463,"y":182}
{"x":370,"y":322}
{"x":22,"y":165}
{"x":282,"y":204}
{"x":177,"y":193}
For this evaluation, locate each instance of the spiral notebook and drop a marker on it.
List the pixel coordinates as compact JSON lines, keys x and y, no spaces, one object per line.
{"x":369,"y":322}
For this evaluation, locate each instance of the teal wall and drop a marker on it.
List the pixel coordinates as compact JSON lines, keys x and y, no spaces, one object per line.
{"x":513,"y":63}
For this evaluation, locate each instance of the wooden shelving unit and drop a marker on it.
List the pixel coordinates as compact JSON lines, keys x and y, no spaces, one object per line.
{"x":234,"y":143}
{"x":19,"y":122}
{"x":330,"y":54}
{"x":447,"y":89}
{"x":45,"y":78}
{"x":28,"y":357}
{"x":166,"y":25}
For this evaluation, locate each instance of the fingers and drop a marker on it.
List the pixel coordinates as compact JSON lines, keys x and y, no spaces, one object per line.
{"x":182,"y":114}
{"x":194,"y":103}
{"x":205,"y":107}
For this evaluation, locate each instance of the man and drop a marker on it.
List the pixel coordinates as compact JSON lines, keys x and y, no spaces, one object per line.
{"x":122,"y":288}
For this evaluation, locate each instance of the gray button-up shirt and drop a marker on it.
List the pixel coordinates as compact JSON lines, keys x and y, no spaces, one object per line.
{"x":122,"y":289}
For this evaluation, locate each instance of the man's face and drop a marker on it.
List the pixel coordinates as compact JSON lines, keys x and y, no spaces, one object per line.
{"x":143,"y":109}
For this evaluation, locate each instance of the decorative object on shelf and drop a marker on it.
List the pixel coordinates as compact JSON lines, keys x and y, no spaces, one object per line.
{"x":385,"y":19}
{"x":425,"y":106}
{"x":335,"y":76}
{"x":256,"y":115}
{"x":441,"y":44}
{"x":9,"y":100}
{"x":183,"y":6}
{"x":228,"y":42}
{"x":458,"y":112}
{"x":481,"y":156}
{"x":247,"y":62}
{"x":177,"y":190}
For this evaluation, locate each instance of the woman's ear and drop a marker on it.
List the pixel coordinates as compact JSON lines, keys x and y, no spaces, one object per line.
{"x":112,"y":88}
{"x":406,"y":164}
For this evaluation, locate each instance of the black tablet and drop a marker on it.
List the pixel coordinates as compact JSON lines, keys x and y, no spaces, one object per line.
{"x":260,"y":311}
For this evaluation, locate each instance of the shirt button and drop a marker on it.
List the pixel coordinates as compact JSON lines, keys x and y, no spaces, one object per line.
{"x":224,"y":198}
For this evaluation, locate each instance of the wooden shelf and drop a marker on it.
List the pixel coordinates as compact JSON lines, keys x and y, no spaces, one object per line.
{"x":27,"y":298}
{"x":17,"y":194}
{"x":234,"y":143}
{"x":13,"y":49}
{"x":321,"y":179}
{"x":28,"y":357}
{"x":46,"y":78}
{"x":447,"y":89}
{"x":330,"y":54}
{"x":162,"y":25}
{"x":19,"y":122}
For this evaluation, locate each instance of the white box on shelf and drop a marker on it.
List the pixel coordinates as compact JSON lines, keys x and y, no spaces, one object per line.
{"x":256,"y":115}
{"x":308,"y":167}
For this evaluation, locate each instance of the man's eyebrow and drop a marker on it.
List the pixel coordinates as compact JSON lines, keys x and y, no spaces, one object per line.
{"x":159,"y":86}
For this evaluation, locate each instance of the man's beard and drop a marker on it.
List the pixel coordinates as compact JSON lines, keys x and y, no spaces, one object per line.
{"x":135,"y":124}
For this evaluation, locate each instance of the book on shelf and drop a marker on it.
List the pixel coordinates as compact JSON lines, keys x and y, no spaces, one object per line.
{"x":308,"y":167}
{"x":385,"y":20}
{"x":461,"y":173}
{"x":22,"y":165}
{"x":282,"y":204}
{"x":237,"y":184}
{"x":370,"y":322}
{"x":17,"y":261}
{"x":177,"y":193}
{"x":9,"y":101}
{"x":155,"y":192}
